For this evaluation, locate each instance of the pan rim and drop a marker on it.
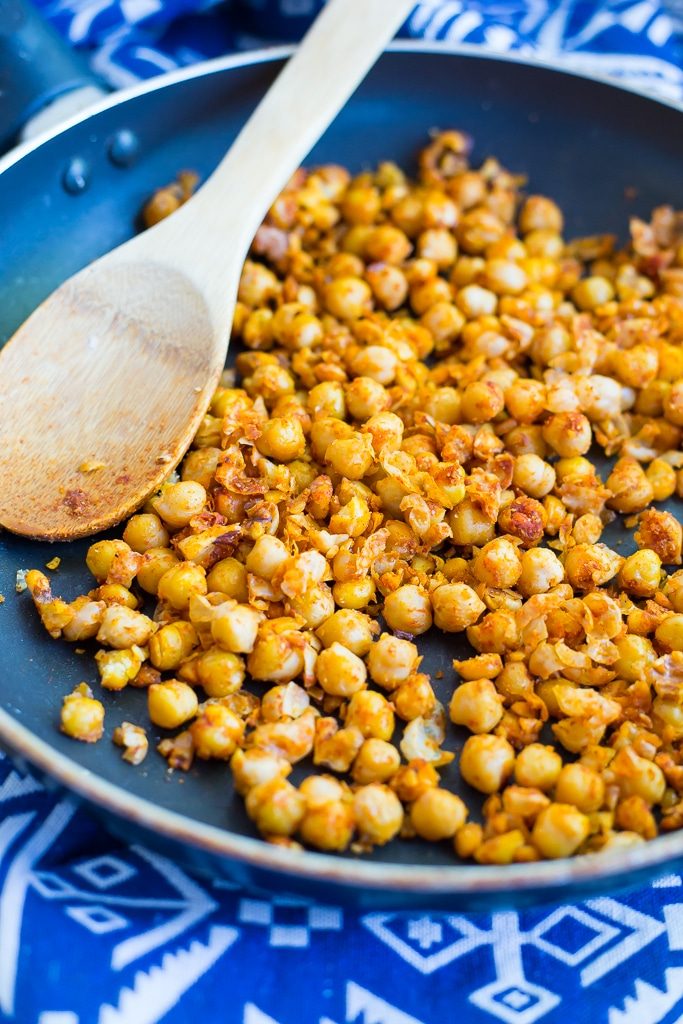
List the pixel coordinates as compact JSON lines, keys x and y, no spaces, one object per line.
{"x":413,"y":879}
{"x":276,"y":53}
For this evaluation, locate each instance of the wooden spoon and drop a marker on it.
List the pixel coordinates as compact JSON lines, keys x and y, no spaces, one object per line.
{"x":119,"y":364}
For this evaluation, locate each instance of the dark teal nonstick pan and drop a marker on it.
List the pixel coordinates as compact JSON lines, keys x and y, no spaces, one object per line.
{"x":602,"y":152}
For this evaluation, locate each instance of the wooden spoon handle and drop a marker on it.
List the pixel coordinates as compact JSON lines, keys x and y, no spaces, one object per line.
{"x":341,"y":46}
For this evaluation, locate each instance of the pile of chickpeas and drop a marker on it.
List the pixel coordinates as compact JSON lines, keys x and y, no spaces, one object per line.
{"x":425,"y":371}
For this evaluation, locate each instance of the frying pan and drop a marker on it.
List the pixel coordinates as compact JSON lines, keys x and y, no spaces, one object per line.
{"x":603,"y":152}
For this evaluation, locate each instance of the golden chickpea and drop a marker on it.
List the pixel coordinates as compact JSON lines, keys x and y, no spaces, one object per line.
{"x":253,"y":766}
{"x":354,"y":593}
{"x":588,"y":566}
{"x":327,"y":400}
{"x":82,"y":717}
{"x":662,"y":478}
{"x":559,"y":830}
{"x":282,"y":439}
{"x":180,"y":583}
{"x":630,"y":487}
{"x":171,"y":704}
{"x":673,"y":403}
{"x":437,"y":814}
{"x":414,"y":698}
{"x":587,"y":529}
{"x":122,"y":627}
{"x":468,"y":839}
{"x":270,"y":382}
{"x":275,"y":806}
{"x":527,"y":439}
{"x":118,"y":668}
{"x":200,"y":465}
{"x":637,"y":776}
{"x":486,"y":762}
{"x":636,"y":654}
{"x":155,"y":563}
{"x":477,"y":705}
{"x":662,"y":532}
{"x":377,"y":362}
{"x":101,"y":555}
{"x":568,"y":433}
{"x":545,"y":243}
{"x":444,"y":321}
{"x":109,"y":593}
{"x":438,"y":245}
{"x":391,"y":660}
{"x":479,"y":228}
{"x":641,"y":573}
{"x":229,"y":577}
{"x":372,"y":714}
{"x":234,"y":627}
{"x":365,"y":398}
{"x":408,"y":610}
{"x":85,"y":621}
{"x":351,"y":457}
{"x":592,"y":291}
{"x":172,"y":644}
{"x":481,"y":402}
{"x":376,"y":761}
{"x":328,"y":827}
{"x":456,"y":606}
{"x":177,"y":503}
{"x":581,"y":786}
{"x":498,"y":564}
{"x":319,"y":790}
{"x":533,"y":475}
{"x":600,"y":397}
{"x":267,"y":556}
{"x":145,"y":531}
{"x":539,"y":213}
{"x":314,"y":606}
{"x":414,"y":778}
{"x":387,"y":244}
{"x":389,"y":285}
{"x":339,"y":671}
{"x":505,"y":277}
{"x":378,"y":813}
{"x":348,"y":298}
{"x":501,"y":849}
{"x":350,"y":628}
{"x":216,"y":732}
{"x":541,"y":571}
{"x":496,"y":633}
{"x":669,"y":633}
{"x":425,"y":294}
{"x":361,"y":204}
{"x":220,"y":672}
{"x":525,"y":400}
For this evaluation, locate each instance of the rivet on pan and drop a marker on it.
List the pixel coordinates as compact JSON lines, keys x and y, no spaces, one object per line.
{"x":123,"y":148}
{"x":76,"y":176}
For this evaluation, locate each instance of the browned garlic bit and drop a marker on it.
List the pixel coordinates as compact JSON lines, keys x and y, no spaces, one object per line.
{"x":408,"y":444}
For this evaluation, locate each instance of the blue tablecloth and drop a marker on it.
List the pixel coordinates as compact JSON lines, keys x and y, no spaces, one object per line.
{"x":93,"y":932}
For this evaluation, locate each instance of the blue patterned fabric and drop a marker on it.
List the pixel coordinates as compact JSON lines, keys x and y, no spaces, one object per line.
{"x":93,"y":932}
{"x":633,"y":40}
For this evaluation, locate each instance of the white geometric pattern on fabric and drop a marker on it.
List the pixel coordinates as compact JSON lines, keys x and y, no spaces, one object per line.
{"x":156,"y":991}
{"x":98,"y":920}
{"x":649,"y":1005}
{"x":289,"y":934}
{"x":104,"y":872}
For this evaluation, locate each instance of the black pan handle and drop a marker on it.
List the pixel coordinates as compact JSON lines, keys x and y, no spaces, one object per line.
{"x":36,"y":67}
